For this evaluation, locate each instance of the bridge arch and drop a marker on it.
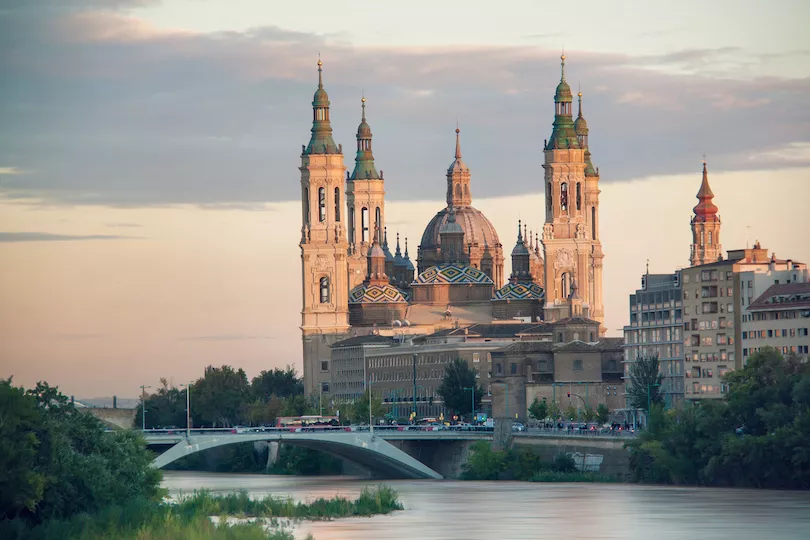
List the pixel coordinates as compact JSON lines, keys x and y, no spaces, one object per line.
{"x":364,"y":449}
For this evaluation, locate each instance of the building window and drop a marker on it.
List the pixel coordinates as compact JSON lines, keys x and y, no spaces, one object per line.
{"x":321,"y":204}
{"x":351,"y":225}
{"x":337,"y":204}
{"x":378,"y":222}
{"x":577,"y":365}
{"x":498,"y":368}
{"x":513,"y":369}
{"x":324,"y":290}
{"x":548,"y":196}
{"x":579,"y":197}
{"x":476,"y":357}
{"x":364,"y":225}
{"x":701,"y":238}
{"x":710,"y":238}
{"x":325,"y":366}
{"x":593,"y":222}
{"x":564,"y":196}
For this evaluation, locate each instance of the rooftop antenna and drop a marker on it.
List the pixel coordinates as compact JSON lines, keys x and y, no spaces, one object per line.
{"x":747,"y":232}
{"x":648,"y":267}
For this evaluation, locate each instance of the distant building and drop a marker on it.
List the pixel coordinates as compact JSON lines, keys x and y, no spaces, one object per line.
{"x":779,"y":318}
{"x":656,"y":329}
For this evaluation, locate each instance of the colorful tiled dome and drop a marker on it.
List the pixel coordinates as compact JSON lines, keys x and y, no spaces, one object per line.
{"x":520,"y":291}
{"x":376,"y":294}
{"x":453,"y":273}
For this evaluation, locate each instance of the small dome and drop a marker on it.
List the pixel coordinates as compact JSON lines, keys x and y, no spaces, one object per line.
{"x":376,"y":294}
{"x":581,"y":126}
{"x":520,"y":291}
{"x":563,"y":92}
{"x":453,"y":273}
{"x":409,"y":264}
{"x":363,"y":130}
{"x":321,"y":98}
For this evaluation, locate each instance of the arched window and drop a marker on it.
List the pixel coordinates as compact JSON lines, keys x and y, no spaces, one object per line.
{"x":548,"y":196}
{"x":324,"y":290}
{"x":579,"y":197}
{"x":306,"y":205}
{"x":321,"y":204}
{"x":593,"y":222}
{"x":710,"y":238}
{"x":351,"y":224}
{"x":565,"y":285}
{"x":364,"y":225}
{"x":458,"y":191}
{"x":337,"y":204}
{"x":701,"y":238}
{"x":378,"y":222}
{"x":564,"y":196}
{"x":577,"y":365}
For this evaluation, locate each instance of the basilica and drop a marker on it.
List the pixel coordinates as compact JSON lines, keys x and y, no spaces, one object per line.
{"x":358,"y":281}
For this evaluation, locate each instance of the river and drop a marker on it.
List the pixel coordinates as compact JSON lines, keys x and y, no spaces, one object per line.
{"x":449,"y":510}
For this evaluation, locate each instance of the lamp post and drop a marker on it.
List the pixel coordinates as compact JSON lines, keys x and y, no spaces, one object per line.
{"x":472,"y":401}
{"x":188,"y":409}
{"x":370,"y":415}
{"x":414,"y":386}
{"x":649,"y":402}
{"x":143,"y":406}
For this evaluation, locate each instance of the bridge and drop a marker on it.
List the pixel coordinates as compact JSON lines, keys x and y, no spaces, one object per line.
{"x":391,"y":453}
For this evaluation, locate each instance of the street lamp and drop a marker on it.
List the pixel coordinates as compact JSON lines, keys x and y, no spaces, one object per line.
{"x":188,"y":409}
{"x":370,"y":414}
{"x":143,"y":406}
{"x":472,"y":401}
{"x":649,"y":402}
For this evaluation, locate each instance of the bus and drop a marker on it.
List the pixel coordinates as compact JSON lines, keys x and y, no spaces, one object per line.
{"x":310,"y":422}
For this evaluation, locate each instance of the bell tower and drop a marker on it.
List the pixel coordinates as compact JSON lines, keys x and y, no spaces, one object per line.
{"x":324,"y":248}
{"x":706,"y":246}
{"x":572,"y":251}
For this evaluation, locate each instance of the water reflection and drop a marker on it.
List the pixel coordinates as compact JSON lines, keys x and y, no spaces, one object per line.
{"x":448,"y":510}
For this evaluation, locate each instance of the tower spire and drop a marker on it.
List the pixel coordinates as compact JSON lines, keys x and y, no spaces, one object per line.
{"x":458,"y":178}
{"x":458,"y":142}
{"x":520,"y":237}
{"x":562,"y":66}
{"x":321,"y":141}
{"x":364,"y":167}
{"x":706,"y":246}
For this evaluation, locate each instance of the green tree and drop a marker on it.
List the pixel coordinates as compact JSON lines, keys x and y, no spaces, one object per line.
{"x":758,"y":437}
{"x":602,"y":413}
{"x":21,"y":485}
{"x":165,"y":407}
{"x":222,"y":396}
{"x":282,"y":383}
{"x":297,"y":405}
{"x":359,"y":410}
{"x":264,"y":412}
{"x":553,"y":411}
{"x":645,"y":383}
{"x":77,"y":466}
{"x":571,"y":412}
{"x":459,"y":377}
{"x":538,"y":409}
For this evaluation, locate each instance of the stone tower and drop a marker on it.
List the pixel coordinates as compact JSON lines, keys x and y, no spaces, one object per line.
{"x":324,"y":248}
{"x":365,"y":192}
{"x":571,"y":246}
{"x":706,"y":246}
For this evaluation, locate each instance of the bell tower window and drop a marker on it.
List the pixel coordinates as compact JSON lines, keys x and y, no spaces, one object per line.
{"x":701,"y":238}
{"x":593,"y":222}
{"x":364,"y":225}
{"x":378,"y":221}
{"x":564,"y":197}
{"x":351,"y":224}
{"x":565,"y":283}
{"x":324,"y":290}
{"x":710,"y":238}
{"x":337,"y":204}
{"x":579,"y":197}
{"x":548,"y":196}
{"x":321,"y":204}
{"x":306,"y":205}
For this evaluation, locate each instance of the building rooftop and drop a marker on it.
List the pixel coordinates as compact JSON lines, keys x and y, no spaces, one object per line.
{"x":783,"y":295}
{"x":493,"y":330}
{"x":371,"y":339}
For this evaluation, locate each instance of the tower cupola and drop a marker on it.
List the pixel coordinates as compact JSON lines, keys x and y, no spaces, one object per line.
{"x":364,"y":161}
{"x":321,"y":141}
{"x":458,"y":179}
{"x":563,"y":135}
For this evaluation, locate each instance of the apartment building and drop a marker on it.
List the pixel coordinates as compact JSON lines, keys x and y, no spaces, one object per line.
{"x":656,"y":329}
{"x":779,"y":318}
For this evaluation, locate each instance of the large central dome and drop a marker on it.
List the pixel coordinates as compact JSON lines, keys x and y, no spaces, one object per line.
{"x":477,"y":228}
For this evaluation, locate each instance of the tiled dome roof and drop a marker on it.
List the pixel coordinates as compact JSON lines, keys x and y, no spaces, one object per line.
{"x":453,"y":273}
{"x":520,"y":291}
{"x":477,"y":228}
{"x":376,"y":294}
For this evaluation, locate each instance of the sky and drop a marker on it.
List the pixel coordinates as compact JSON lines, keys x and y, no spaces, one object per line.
{"x":149,"y":151}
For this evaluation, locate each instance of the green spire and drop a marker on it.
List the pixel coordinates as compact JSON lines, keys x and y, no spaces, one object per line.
{"x":563,"y":134}
{"x":321,"y":141}
{"x":364,"y":162}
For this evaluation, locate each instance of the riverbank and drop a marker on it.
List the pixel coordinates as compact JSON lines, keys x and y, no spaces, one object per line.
{"x":189,"y":517}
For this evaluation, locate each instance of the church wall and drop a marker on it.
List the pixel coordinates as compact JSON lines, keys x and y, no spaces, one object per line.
{"x":371,"y":314}
{"x":317,"y":356}
{"x":501,"y":309}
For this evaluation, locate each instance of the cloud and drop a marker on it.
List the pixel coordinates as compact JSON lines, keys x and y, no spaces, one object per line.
{"x":123,"y":225}
{"x":10,"y":171}
{"x":8,"y":237}
{"x":104,"y":109}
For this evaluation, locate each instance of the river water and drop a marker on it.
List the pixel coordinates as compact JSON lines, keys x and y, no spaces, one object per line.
{"x":450,"y":510}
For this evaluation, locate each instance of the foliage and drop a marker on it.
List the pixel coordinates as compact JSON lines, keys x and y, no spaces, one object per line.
{"x":521,"y":464}
{"x":264,"y":412}
{"x":571,"y":412}
{"x":538,"y":409}
{"x":166,"y":407}
{"x":554,"y":411}
{"x":458,"y":375}
{"x":279,"y":383}
{"x":64,"y":463}
{"x":305,"y":461}
{"x":221,"y":397}
{"x":358,"y":412}
{"x":297,"y":405}
{"x":190,"y":518}
{"x":759,"y":437}
{"x":602,"y":413}
{"x":380,"y":500}
{"x":645,"y":383}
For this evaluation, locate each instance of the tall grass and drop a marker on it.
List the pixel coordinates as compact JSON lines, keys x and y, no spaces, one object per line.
{"x":381,"y":500}
{"x":190,"y":518}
